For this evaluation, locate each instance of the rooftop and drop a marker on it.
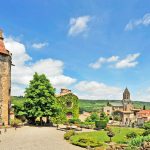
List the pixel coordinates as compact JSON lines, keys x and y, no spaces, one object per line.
{"x":144,"y":112}
{"x":3,"y":50}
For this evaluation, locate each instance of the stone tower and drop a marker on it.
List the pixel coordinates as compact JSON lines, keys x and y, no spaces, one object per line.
{"x":127,"y":104}
{"x":5,"y":82}
{"x":126,"y":94}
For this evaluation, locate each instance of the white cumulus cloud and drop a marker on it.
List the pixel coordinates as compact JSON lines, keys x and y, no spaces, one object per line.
{"x":78,"y":25}
{"x":39,"y":45}
{"x":24,"y":68}
{"x":145,"y":21}
{"x":115,"y":62}
{"x":98,"y":64}
{"x":96,"y":90}
{"x":128,"y":62}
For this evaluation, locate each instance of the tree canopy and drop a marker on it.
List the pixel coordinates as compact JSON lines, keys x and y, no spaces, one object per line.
{"x":40,"y":98}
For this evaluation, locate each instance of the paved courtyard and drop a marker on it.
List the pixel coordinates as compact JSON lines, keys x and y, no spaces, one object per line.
{"x":34,"y":138}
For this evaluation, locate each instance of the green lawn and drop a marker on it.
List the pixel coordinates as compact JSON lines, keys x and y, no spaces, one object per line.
{"x":120,"y":135}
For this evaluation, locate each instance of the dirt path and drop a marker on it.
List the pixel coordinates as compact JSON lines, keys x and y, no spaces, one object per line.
{"x":34,"y":138}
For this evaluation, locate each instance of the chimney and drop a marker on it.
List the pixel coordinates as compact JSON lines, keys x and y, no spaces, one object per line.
{"x":64,"y":91}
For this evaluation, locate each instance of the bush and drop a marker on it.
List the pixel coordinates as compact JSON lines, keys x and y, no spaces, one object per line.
{"x":15,"y":122}
{"x":92,"y":118}
{"x":86,"y":141}
{"x":146,"y":132}
{"x":68,"y":134}
{"x":101,"y":124}
{"x":88,"y":125}
{"x":138,"y":141}
{"x":131,"y":135}
{"x":74,"y":121}
{"x":146,"y":125}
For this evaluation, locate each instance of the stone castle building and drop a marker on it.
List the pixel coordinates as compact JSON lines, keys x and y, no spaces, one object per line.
{"x":5,"y":82}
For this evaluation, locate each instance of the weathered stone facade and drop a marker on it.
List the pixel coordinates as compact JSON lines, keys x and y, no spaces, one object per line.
{"x":5,"y":82}
{"x":124,"y":110}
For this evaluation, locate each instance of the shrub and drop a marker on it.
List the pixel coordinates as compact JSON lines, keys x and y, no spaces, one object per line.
{"x":101,"y":124}
{"x":146,"y":132}
{"x":131,"y":135}
{"x":138,"y":141}
{"x":146,"y":125}
{"x":68,"y":134}
{"x":92,"y":118}
{"x":74,"y":121}
{"x":88,"y":125}
{"x":117,"y":118}
{"x":15,"y":122}
{"x":86,"y":141}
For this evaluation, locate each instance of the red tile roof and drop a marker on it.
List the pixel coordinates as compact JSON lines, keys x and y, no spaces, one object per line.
{"x":3,"y":50}
{"x":144,"y":112}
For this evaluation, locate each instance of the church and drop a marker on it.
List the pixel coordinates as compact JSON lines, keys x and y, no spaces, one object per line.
{"x":5,"y":83}
{"x":124,"y":109}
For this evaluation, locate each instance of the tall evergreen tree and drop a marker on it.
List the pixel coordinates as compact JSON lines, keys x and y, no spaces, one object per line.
{"x":41,"y":100}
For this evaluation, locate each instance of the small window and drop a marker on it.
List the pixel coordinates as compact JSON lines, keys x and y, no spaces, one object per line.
{"x":69,"y":104}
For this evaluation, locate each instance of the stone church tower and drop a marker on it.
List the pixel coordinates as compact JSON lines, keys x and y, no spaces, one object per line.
{"x":5,"y":82}
{"x":127,"y":104}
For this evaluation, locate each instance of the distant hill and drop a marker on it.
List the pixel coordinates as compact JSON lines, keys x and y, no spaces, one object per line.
{"x":96,"y":105}
{"x":89,"y":105}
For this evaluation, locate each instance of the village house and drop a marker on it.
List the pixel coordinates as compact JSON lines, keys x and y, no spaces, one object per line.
{"x":69,"y":103}
{"x":143,"y":116}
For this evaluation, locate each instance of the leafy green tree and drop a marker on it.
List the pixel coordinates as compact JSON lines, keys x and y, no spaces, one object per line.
{"x":92,"y":118}
{"x":41,"y":100}
{"x":103,"y":116}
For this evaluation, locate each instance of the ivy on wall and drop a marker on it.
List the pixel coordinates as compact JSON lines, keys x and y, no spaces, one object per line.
{"x":74,"y":108}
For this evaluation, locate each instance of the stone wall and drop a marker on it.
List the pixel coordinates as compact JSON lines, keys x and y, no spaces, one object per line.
{"x":5,"y":87}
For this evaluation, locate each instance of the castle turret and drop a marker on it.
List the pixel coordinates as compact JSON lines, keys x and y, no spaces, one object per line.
{"x":5,"y":82}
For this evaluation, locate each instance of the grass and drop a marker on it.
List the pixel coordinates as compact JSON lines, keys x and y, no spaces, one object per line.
{"x":120,"y":135}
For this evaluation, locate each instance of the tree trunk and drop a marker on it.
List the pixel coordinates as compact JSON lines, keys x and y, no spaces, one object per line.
{"x":41,"y":121}
{"x":47,"y":120}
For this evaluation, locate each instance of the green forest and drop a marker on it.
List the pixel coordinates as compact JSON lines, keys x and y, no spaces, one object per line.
{"x":89,"y":105}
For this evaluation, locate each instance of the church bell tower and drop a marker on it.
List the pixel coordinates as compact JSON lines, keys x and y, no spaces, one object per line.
{"x":127,"y":104}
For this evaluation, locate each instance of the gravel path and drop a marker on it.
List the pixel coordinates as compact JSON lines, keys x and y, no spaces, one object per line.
{"x":34,"y":138}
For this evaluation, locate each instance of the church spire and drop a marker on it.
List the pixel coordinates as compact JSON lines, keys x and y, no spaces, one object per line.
{"x":126,"y":94}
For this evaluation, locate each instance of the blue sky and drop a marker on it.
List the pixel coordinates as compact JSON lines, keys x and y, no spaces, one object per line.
{"x":94,"y":47}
